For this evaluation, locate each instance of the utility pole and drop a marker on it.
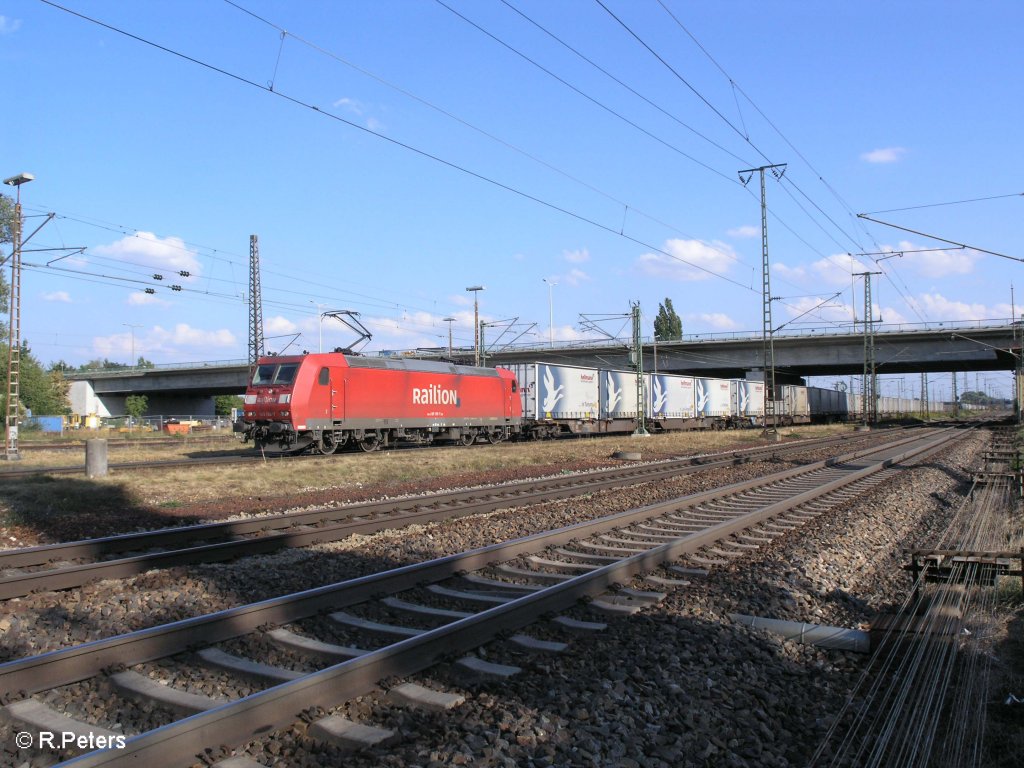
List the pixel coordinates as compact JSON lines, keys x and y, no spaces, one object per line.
{"x":638,"y":353}
{"x":956,"y":400}
{"x":449,"y":320}
{"x":255,"y":305}
{"x":767,"y":336}
{"x":869,"y":386}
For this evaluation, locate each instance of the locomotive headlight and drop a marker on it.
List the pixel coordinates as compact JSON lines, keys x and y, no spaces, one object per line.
{"x":284,"y":399}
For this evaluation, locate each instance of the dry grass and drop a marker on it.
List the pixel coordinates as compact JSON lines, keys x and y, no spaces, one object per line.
{"x":276,"y":477}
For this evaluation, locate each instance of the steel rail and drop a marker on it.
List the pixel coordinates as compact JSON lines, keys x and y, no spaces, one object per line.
{"x":69,"y":665}
{"x":117,"y":443}
{"x":381,"y":514}
{"x":16,"y":473}
{"x":279,"y":706}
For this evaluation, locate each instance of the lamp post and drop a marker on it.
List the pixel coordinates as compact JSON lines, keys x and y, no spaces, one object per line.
{"x":551,"y":311}
{"x":475,"y":290}
{"x":132,"y":328}
{"x":14,"y":331}
{"x":320,"y":324}
{"x":449,"y":320}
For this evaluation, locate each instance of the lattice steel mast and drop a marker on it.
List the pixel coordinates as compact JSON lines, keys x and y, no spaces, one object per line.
{"x":255,"y":304}
{"x":638,"y":352}
{"x":869,"y":382}
{"x":14,"y":342}
{"x":767,"y":332}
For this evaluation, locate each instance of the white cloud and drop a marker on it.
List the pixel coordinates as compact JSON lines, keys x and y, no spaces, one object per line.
{"x":143,"y":299}
{"x":575,"y":277}
{"x":719,"y":321}
{"x":796,"y":275}
{"x":935,"y":263}
{"x":835,"y":270}
{"x":359,"y":109}
{"x":278,"y":324}
{"x":185,"y":335}
{"x":61,"y":296}
{"x":9,"y":26}
{"x":148,"y":250}
{"x":577,"y":257}
{"x":834,"y":310}
{"x":179,"y":343}
{"x":937,"y":305}
{"x":885,"y":155}
{"x":744,"y":231}
{"x":350,"y":105}
{"x":687,"y":260}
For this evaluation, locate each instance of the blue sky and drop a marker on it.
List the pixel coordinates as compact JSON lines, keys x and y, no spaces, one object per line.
{"x":390,"y":153}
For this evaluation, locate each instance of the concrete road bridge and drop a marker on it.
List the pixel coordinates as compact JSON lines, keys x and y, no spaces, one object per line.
{"x":899,"y":349}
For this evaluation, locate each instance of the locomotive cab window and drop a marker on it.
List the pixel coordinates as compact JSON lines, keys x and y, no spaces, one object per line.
{"x":264,"y":374}
{"x":325,"y":377}
{"x":286,"y":373}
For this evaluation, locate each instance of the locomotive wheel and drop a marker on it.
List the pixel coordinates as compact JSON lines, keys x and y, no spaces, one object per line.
{"x":467,"y":439}
{"x":370,"y":443}
{"x":327,"y":444}
{"x":494,"y":437}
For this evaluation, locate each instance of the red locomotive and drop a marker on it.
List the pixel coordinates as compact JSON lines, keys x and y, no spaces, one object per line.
{"x":326,"y":401}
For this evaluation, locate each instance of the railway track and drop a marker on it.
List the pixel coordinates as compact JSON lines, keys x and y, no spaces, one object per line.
{"x":72,"y":564}
{"x":13,"y":473}
{"x":125,"y":442}
{"x":470,"y":599}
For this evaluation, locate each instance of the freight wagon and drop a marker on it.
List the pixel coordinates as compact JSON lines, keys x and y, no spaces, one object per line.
{"x":558,"y":398}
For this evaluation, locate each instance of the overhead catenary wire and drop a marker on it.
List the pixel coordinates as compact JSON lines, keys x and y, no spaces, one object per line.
{"x":585,"y":95}
{"x":725,"y":119}
{"x":952,"y":202}
{"x":736,"y":87}
{"x":395,"y":142}
{"x":465,"y":123}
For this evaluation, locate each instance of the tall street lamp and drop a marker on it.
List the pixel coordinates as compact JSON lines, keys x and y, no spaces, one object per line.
{"x":551,"y":311}
{"x":132,"y":327}
{"x":14,"y":331}
{"x":449,"y":320}
{"x":320,"y":322}
{"x":475,"y":290}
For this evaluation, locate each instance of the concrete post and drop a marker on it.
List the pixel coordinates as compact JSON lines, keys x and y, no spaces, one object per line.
{"x":96,"y":458}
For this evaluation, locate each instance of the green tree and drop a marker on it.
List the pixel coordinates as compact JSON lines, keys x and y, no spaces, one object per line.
{"x":136,"y":405}
{"x":222,"y":404}
{"x":6,"y":219}
{"x":668,"y":326}
{"x":44,"y":393}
